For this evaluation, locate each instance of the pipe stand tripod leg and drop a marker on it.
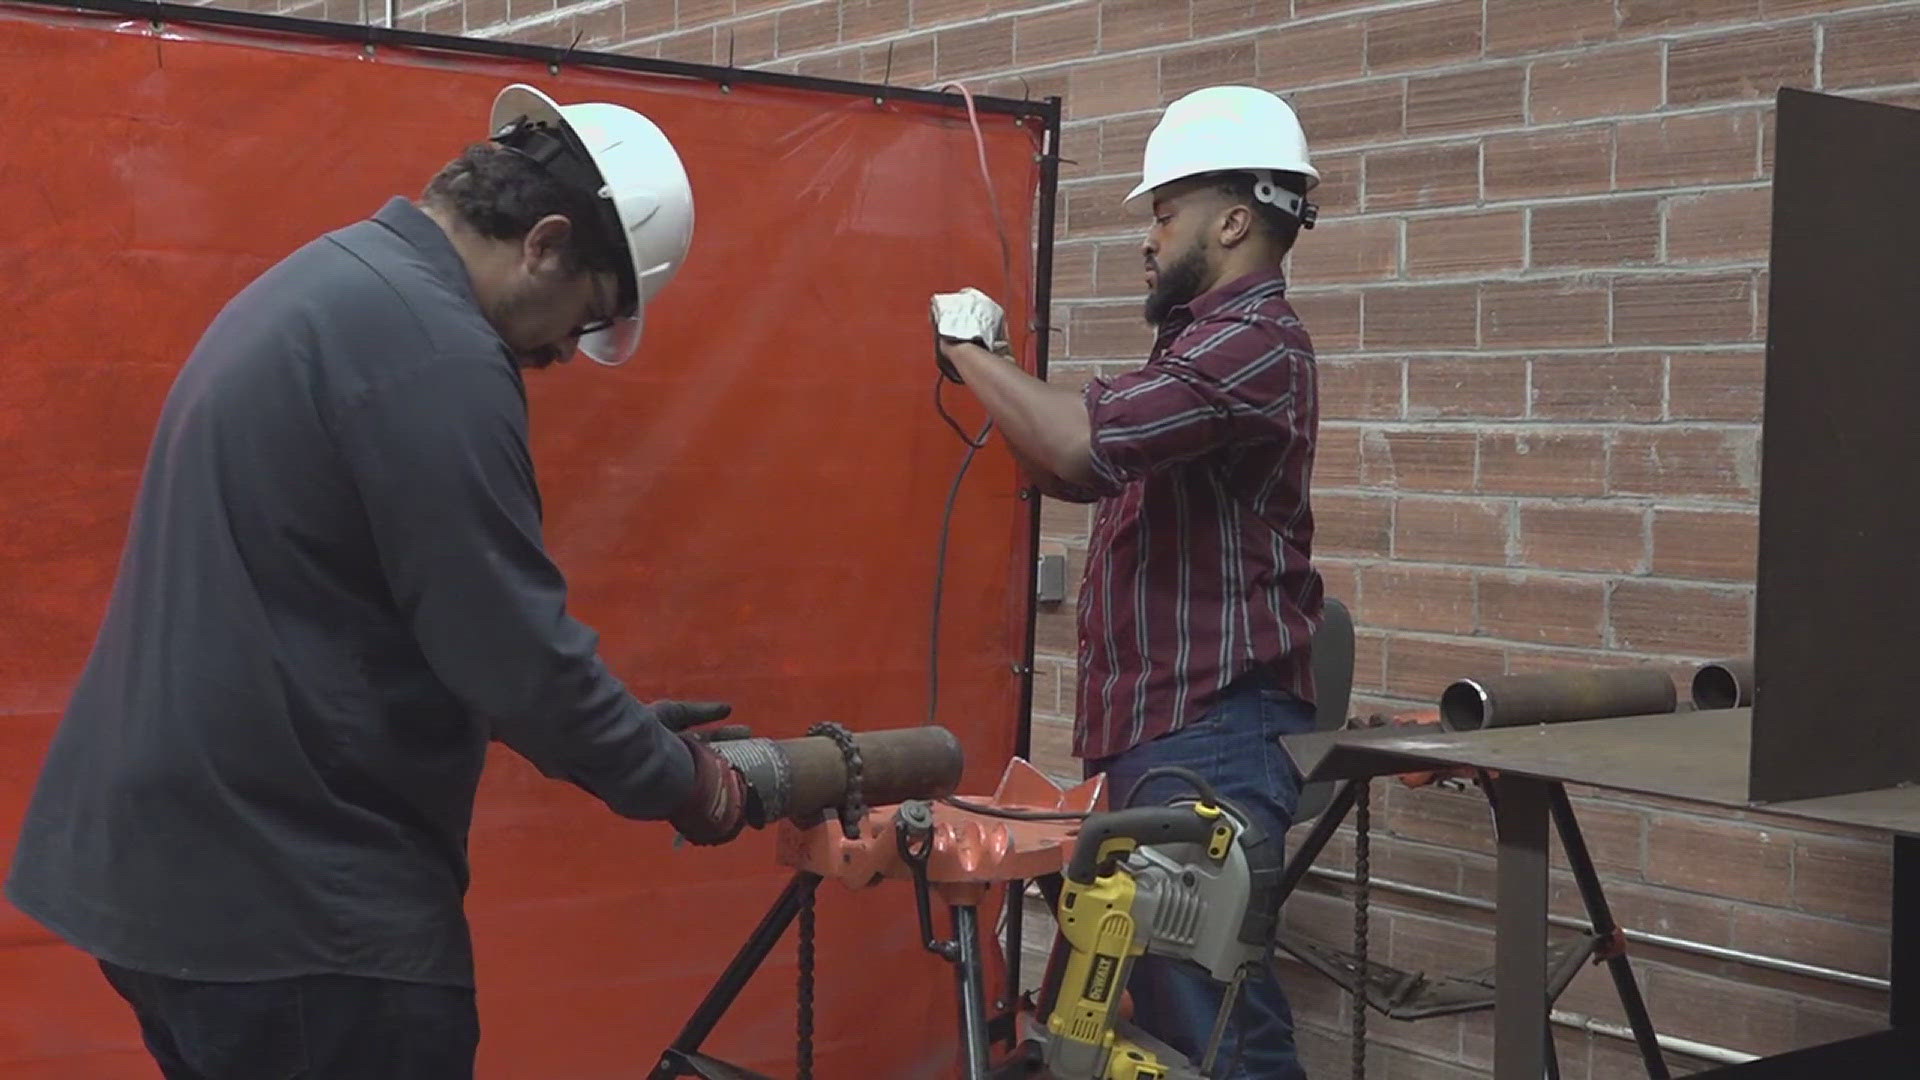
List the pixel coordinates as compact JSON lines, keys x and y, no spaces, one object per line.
{"x":971,"y":978}
{"x":720,"y":998}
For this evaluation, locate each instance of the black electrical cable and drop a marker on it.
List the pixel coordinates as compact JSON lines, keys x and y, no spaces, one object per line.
{"x":1011,"y":814}
{"x":1198,"y":782}
{"x":940,"y":573}
{"x":940,"y":406}
{"x":974,"y":443}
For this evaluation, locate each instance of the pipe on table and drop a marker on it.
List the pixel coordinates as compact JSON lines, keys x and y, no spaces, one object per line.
{"x":1724,"y":684}
{"x":1510,"y":700}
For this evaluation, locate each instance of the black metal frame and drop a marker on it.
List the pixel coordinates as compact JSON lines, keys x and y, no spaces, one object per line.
{"x":1014,"y":896}
{"x":555,"y":57}
{"x":1521,"y":909}
{"x":684,"y":1058}
{"x":1527,"y":975}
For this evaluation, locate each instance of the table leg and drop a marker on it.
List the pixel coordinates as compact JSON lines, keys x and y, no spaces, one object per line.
{"x":1903,"y":1008}
{"x":1520,"y":949}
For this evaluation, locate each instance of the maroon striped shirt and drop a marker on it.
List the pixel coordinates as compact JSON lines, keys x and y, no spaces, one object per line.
{"x":1199,"y":568}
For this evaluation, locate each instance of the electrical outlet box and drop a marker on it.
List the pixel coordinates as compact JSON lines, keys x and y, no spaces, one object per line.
{"x":1051,"y":587}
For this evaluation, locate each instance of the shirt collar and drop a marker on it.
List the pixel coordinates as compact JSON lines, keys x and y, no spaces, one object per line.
{"x":411,"y":224}
{"x":1262,"y":282}
{"x":1257,"y":285}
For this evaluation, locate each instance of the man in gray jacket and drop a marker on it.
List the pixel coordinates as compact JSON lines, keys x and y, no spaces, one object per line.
{"x":334,"y":594}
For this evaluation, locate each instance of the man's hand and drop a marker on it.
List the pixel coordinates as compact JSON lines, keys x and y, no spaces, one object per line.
{"x":678,"y":716}
{"x":968,"y":315}
{"x":1047,"y":425}
{"x":717,"y":810}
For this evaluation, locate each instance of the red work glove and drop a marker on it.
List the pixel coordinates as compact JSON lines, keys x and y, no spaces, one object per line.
{"x":716,"y":811}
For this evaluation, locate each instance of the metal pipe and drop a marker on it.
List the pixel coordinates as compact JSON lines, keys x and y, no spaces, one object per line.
{"x":1509,"y":700}
{"x":1724,"y":684}
{"x":1698,"y":948}
{"x":1672,"y":1043}
{"x":799,"y":778}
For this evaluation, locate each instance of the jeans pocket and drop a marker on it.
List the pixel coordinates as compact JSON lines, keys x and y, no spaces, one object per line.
{"x":1286,"y":714}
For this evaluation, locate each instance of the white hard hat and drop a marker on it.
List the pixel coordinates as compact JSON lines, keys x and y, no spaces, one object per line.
{"x":647,"y":197}
{"x":1229,"y":129}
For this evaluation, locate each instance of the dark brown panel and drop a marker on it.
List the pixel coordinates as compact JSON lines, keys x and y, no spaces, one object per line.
{"x":1840,"y":450}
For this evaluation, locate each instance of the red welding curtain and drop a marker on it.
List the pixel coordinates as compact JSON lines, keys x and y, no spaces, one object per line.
{"x":748,"y":511}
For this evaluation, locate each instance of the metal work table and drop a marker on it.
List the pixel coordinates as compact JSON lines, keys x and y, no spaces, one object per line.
{"x":1835,"y":585}
{"x":1698,"y":757}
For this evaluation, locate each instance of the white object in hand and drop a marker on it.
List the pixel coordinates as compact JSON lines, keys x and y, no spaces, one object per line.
{"x":970,"y":315}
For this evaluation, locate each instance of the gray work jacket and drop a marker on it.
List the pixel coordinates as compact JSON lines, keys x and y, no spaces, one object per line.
{"x":333,"y":594}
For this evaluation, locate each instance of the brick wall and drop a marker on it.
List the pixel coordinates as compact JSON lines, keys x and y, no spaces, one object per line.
{"x":1539,"y":297}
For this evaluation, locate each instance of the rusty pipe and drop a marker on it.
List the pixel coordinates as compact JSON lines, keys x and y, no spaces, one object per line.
{"x":800,"y":778}
{"x":1724,"y":684}
{"x":1510,"y":700}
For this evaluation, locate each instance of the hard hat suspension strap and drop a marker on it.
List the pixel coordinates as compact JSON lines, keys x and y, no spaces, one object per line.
{"x":1268,"y":191}
{"x":559,"y":152}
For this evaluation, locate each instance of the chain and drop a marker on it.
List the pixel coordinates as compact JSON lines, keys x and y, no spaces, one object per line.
{"x":803,"y":1052}
{"x":1362,"y":868}
{"x":854,"y":809}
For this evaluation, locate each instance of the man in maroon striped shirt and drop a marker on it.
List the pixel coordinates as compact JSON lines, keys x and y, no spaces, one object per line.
{"x":1199,"y":597}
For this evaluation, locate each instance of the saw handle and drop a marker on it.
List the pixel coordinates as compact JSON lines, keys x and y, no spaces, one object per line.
{"x":1104,"y":838}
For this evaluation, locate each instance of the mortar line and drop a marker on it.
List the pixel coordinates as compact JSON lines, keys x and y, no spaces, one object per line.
{"x":1427,"y":637}
{"x":1726,"y":588}
{"x":1819,"y":54}
{"x":1517,"y":202}
{"x":1474,"y":63}
{"x":1594,"y":278}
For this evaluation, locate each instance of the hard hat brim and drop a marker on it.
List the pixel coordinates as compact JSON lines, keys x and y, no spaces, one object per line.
{"x":616,"y":344}
{"x":1146,"y":186}
{"x":521,"y":100}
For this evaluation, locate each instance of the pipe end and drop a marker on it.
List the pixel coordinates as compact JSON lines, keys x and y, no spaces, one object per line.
{"x":1465,"y":706}
{"x":1717,"y":687}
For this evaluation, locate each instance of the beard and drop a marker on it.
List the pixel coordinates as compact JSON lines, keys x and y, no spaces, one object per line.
{"x":1177,"y":283}
{"x":510,"y":314}
{"x":546,"y":356}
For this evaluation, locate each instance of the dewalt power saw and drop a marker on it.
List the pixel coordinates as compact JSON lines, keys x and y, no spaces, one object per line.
{"x":1192,"y":880}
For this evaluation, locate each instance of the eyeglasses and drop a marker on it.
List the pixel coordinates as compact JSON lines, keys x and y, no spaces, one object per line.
{"x":596,"y":325}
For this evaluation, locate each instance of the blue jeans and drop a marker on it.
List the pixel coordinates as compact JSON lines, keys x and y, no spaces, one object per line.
{"x":1233,"y":746}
